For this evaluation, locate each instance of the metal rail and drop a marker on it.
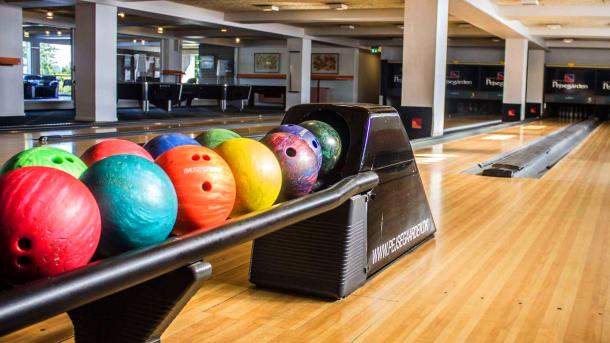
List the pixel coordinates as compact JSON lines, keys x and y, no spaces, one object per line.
{"x":43,"y":299}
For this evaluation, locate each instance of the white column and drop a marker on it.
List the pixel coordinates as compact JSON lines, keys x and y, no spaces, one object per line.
{"x":171,"y":57}
{"x":35,"y":57}
{"x":11,"y":76}
{"x":535,"y":83}
{"x":424,"y":62}
{"x":515,"y":79}
{"x":298,"y":83}
{"x":95,"y":62}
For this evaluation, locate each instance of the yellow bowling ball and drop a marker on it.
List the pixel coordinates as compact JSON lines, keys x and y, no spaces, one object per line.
{"x":257,"y":174}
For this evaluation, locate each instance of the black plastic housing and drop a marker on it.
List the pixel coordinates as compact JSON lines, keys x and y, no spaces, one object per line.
{"x":318,"y":256}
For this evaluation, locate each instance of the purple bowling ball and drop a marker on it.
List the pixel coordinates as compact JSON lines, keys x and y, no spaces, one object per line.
{"x":298,"y":163}
{"x":304,"y":134}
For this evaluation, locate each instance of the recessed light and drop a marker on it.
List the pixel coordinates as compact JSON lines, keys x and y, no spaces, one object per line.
{"x":529,"y":2}
{"x":26,"y":34}
{"x":568,"y":40}
{"x":49,"y":15}
{"x":224,"y":30}
{"x":160,"y":30}
{"x":402,"y":27}
{"x":48,"y":33}
{"x":194,"y":37}
{"x":121,"y":14}
{"x":495,"y":40}
{"x":135,"y":41}
{"x":553,"y":26}
{"x":337,"y":6}
{"x":349,"y":27}
{"x":59,"y":33}
{"x":143,"y":42}
{"x":464,"y":25}
{"x":237,"y":40}
{"x":268,"y":8}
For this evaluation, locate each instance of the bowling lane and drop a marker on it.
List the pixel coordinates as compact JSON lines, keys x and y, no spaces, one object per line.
{"x":511,"y":259}
{"x":245,"y":126}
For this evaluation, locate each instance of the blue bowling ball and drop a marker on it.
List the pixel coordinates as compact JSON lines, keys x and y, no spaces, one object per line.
{"x":304,"y":134}
{"x":162,"y":143}
{"x":137,"y":202}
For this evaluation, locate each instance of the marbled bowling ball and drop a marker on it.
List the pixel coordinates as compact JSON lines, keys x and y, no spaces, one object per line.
{"x":137,"y":202}
{"x":49,"y":223}
{"x":258,"y":176}
{"x":304,"y":134}
{"x":298,"y":163}
{"x":204,"y":184}
{"x":111,"y":147}
{"x":329,"y":140}
{"x":162,"y":143}
{"x":46,"y":156}
{"x":214,"y":137}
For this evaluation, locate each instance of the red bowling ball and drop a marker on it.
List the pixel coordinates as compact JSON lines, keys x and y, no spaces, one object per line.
{"x":112,"y":147}
{"x":49,"y":223}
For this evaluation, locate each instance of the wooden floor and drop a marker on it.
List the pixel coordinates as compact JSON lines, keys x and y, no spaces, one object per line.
{"x":523,"y":260}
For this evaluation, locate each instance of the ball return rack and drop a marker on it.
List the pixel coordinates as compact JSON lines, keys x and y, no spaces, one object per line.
{"x":370,"y":215}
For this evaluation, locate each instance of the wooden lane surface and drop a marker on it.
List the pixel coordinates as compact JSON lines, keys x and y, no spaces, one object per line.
{"x":513,"y":260}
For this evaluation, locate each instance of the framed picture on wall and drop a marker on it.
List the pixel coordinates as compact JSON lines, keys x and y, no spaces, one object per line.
{"x":325,"y":63}
{"x":267,"y":63}
{"x":206,"y":62}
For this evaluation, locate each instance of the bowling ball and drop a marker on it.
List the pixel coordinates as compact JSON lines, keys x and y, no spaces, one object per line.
{"x":111,"y":147}
{"x":305,"y":134}
{"x":49,"y":223}
{"x":298,"y":163}
{"x":204,"y":184}
{"x":46,"y":156}
{"x":214,"y":137}
{"x":329,"y":140}
{"x":257,"y":173}
{"x":162,"y":143}
{"x":137,"y":202}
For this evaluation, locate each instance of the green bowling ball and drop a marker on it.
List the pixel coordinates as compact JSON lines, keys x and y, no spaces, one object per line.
{"x":214,"y":137}
{"x":46,"y":157}
{"x":329,"y":140}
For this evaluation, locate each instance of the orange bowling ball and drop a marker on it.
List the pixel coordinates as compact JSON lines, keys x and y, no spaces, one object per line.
{"x":204,"y":184}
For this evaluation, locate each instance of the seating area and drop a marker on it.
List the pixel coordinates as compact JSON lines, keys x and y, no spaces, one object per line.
{"x":42,"y":87}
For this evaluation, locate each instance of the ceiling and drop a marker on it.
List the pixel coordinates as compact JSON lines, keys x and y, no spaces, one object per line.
{"x":250,"y":5}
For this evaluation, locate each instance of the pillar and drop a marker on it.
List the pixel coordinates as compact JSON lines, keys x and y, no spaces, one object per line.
{"x":171,"y":57}
{"x":95,"y":62}
{"x":515,"y":79}
{"x":535,"y":83}
{"x":11,"y":75}
{"x":298,"y":82}
{"x":424,"y":62}
{"x":35,"y":57}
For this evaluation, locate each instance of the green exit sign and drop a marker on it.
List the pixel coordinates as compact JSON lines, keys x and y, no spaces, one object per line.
{"x":375,"y":49}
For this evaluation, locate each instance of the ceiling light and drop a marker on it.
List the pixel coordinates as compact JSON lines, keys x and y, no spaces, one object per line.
{"x":268,"y":8}
{"x":224,"y":30}
{"x":529,"y":2}
{"x":26,"y":34}
{"x":59,"y":33}
{"x":568,"y":40}
{"x":237,"y":40}
{"x":48,"y":33}
{"x":121,"y":14}
{"x":134,"y":41}
{"x":143,"y":42}
{"x":402,"y":27}
{"x":337,"y":6}
{"x":464,"y":25}
{"x":553,"y":26}
{"x":350,"y":27}
{"x":495,"y":40}
{"x":160,"y":30}
{"x":49,"y":15}
{"x":194,"y":37}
